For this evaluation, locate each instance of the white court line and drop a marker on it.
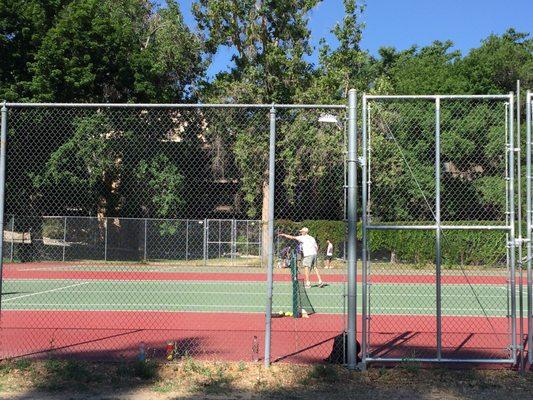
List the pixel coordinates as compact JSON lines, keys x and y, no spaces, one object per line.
{"x":44,"y":291}
{"x":226,"y":293}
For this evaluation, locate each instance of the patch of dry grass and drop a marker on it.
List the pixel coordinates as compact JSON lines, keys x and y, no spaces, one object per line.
{"x":191,"y":379}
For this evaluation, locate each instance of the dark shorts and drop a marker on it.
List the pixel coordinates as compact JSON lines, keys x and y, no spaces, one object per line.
{"x":329,"y":258}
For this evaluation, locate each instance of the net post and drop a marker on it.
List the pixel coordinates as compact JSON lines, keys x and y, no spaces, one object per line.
{"x":352,"y":229}
{"x":3,"y":144}
{"x":295,"y":287}
{"x":270,"y":239}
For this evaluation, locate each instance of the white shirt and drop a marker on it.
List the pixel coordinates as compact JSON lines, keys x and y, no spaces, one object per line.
{"x":329,"y":251}
{"x":309,"y":246}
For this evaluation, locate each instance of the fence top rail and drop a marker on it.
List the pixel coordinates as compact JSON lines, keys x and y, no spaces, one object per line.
{"x":177,"y":105}
{"x":439,"y":96}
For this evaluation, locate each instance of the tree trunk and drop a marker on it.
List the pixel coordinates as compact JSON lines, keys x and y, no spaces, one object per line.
{"x":264,"y":225}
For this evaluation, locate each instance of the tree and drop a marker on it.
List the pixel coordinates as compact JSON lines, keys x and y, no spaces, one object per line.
{"x":100,"y":51}
{"x":23,"y":24}
{"x":116,"y":51}
{"x":270,"y":39}
{"x":495,"y":66}
{"x":345,"y":67}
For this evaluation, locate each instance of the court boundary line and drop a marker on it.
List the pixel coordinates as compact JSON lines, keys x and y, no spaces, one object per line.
{"x":44,"y":291}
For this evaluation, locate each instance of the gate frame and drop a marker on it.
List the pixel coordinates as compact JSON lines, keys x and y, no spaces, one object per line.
{"x":438,"y":228}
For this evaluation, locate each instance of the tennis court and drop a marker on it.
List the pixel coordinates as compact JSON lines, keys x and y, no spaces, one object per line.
{"x":107,"y":310}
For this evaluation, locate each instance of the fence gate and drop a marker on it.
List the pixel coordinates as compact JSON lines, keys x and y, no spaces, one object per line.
{"x":438,"y":229}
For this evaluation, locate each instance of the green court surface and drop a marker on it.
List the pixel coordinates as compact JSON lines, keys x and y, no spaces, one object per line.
{"x":226,"y":296}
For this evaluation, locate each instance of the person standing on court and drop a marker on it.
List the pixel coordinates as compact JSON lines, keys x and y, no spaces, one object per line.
{"x":329,"y":254}
{"x":310,"y":251}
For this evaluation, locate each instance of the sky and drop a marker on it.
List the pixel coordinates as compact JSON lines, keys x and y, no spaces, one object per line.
{"x":403,"y":23}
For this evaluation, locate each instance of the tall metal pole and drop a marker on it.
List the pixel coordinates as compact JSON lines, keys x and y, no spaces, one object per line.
{"x":3,"y":144}
{"x":352,"y":228}
{"x":512,"y":220}
{"x":364,"y":251}
{"x":529,"y":227}
{"x":519,"y":227}
{"x":270,"y":238}
{"x":438,"y":255}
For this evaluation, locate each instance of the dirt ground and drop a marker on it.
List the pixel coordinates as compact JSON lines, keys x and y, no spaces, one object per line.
{"x":191,"y":379}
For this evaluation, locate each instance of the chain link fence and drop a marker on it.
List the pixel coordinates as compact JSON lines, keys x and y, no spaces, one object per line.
{"x":176,"y":231}
{"x":143,"y":228}
{"x":92,"y":239}
{"x":438,"y":229}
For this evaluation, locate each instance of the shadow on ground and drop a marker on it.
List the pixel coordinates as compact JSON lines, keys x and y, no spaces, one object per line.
{"x":192,"y":379}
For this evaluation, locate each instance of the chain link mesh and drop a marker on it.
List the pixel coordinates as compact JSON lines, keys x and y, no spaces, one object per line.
{"x":131,"y":228}
{"x":310,"y":193}
{"x":134,"y":225}
{"x":469,"y":293}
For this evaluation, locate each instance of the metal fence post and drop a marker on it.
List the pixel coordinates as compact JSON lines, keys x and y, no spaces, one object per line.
{"x":364,"y":251}
{"x":105,"y":239}
{"x":186,"y":240}
{"x":206,"y":238}
{"x":438,"y":255}
{"x":64,"y":238}
{"x":529,"y":227}
{"x":519,"y":228}
{"x":12,"y":238}
{"x":3,"y":144}
{"x":512,"y":220}
{"x":145,"y":236}
{"x":270,"y":246}
{"x":352,"y":228}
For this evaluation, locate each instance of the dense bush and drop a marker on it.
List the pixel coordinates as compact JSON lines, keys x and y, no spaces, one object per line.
{"x":459,"y":247}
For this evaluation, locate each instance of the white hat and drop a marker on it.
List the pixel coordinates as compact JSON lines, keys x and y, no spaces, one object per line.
{"x":304,"y":230}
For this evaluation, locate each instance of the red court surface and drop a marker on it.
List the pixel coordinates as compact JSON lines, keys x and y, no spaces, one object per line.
{"x":230,"y":336}
{"x":68,"y":271}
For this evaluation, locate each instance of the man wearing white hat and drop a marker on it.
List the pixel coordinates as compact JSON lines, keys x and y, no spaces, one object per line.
{"x":310,"y":251}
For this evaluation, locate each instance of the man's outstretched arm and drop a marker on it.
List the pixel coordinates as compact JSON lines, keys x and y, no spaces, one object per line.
{"x":287,"y":236}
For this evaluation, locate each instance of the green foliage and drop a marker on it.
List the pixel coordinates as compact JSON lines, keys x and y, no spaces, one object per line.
{"x":459,"y":247}
{"x":96,"y":50}
{"x":163,"y":183}
{"x":53,"y":228}
{"x":495,"y":66}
